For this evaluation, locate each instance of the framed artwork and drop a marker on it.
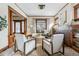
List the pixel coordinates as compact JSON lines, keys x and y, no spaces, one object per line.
{"x":41,"y":25}
{"x":0,"y":25}
{"x":63,"y":18}
{"x":3,"y":23}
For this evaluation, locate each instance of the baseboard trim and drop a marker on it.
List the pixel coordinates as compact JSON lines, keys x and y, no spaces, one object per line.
{"x":3,"y":49}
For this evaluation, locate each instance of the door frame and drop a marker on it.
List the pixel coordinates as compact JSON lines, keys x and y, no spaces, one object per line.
{"x":10,"y":32}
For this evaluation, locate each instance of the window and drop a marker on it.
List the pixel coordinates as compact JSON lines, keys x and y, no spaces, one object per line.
{"x":41,"y":25}
{"x":22,"y":27}
{"x":18,"y":27}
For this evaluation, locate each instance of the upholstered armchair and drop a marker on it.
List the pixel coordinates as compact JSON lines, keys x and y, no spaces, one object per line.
{"x":54,"y":45}
{"x":24,"y":45}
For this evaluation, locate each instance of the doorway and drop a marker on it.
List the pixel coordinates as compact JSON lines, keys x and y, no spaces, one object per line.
{"x":17,"y":23}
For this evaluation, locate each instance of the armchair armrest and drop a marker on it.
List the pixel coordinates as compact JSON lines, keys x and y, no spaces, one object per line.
{"x":48,"y":40}
{"x":47,"y":45}
{"x":29,"y":46}
{"x":29,"y":40}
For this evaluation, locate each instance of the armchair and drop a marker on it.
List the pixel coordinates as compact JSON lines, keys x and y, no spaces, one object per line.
{"x":23,"y":44}
{"x":53,"y":45}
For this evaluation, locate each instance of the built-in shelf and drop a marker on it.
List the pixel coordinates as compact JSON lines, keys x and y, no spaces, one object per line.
{"x":75,"y":29}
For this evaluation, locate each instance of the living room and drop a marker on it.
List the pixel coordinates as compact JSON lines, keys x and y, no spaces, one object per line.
{"x":39,"y":21}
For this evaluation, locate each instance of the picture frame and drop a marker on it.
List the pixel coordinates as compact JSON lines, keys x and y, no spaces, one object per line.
{"x":3,"y":23}
{"x":63,"y":18}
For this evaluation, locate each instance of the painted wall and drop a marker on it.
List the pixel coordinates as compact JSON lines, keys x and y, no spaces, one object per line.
{"x":70,"y":14}
{"x":4,"y":32}
{"x":4,"y":12}
{"x":69,"y":10}
{"x":31,"y":23}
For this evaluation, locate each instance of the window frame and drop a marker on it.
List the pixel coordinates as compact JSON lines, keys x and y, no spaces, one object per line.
{"x":41,"y":20}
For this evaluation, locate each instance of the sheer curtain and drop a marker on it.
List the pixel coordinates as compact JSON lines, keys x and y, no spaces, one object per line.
{"x":18,"y":27}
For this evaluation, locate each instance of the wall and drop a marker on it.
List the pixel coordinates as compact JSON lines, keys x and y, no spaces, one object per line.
{"x":68,"y":9}
{"x":31,"y":23}
{"x":70,"y":14}
{"x":4,"y":32}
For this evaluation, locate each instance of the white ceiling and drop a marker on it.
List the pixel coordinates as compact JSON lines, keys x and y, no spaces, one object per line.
{"x":32,"y":9}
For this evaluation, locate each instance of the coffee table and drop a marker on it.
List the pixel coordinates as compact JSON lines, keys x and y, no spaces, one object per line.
{"x":39,"y":40}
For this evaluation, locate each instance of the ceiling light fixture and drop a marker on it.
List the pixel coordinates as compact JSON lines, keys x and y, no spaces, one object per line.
{"x":41,"y":6}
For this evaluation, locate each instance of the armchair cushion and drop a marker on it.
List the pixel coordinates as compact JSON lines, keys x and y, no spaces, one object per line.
{"x":29,"y":46}
{"x":47,"y":46}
